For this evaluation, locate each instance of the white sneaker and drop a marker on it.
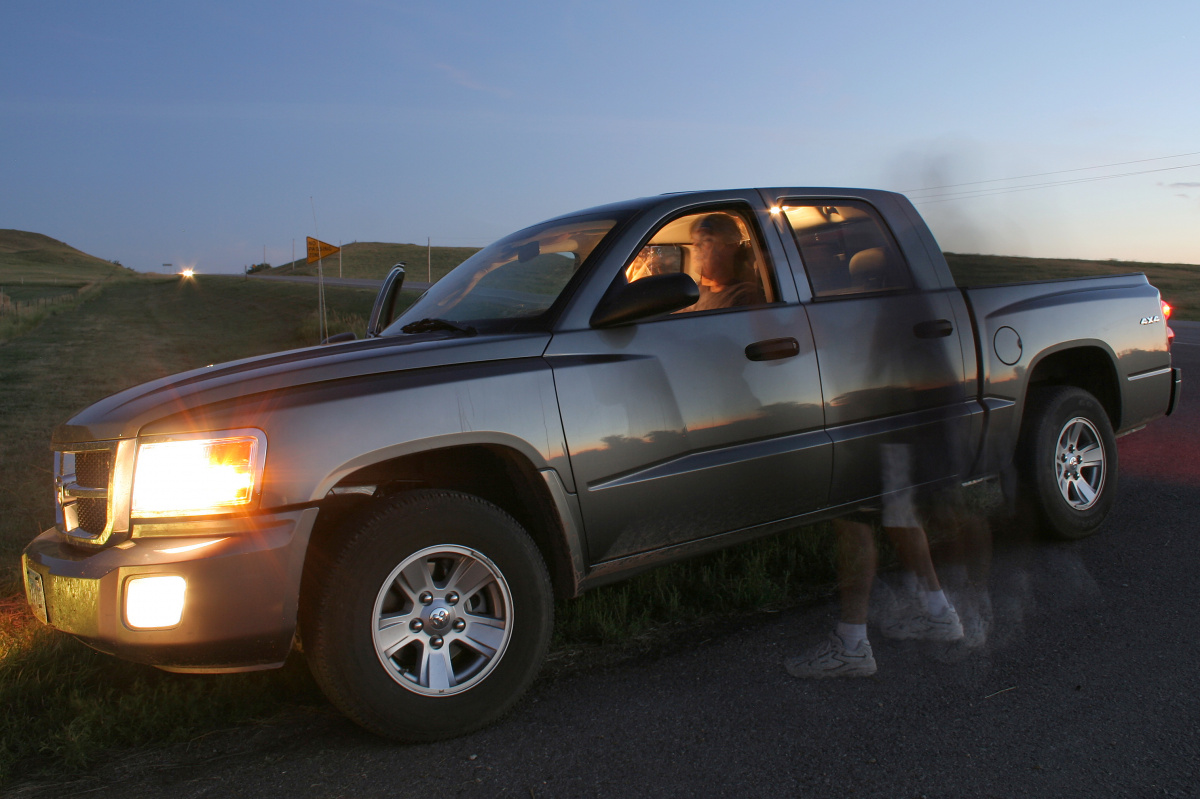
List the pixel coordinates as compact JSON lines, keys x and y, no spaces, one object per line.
{"x":830,"y":658}
{"x":923,"y":627}
{"x":976,"y":619}
{"x":893,"y":607}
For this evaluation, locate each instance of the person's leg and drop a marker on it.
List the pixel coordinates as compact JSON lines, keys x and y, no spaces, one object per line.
{"x":912,"y":547}
{"x":937,"y":620}
{"x":857,"y":562}
{"x":846,"y":653}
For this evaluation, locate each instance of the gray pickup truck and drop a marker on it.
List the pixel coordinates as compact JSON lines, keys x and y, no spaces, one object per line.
{"x":600,"y":393}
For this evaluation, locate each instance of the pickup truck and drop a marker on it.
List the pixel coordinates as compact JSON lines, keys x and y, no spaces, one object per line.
{"x":592,"y":396}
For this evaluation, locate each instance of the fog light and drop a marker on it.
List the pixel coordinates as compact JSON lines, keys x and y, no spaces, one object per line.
{"x":152,"y":602}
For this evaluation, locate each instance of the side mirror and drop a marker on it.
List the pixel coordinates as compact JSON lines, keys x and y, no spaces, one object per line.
{"x":384,"y":310}
{"x":650,"y":296}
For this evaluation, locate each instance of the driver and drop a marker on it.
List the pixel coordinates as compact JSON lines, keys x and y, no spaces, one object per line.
{"x":721,"y":255}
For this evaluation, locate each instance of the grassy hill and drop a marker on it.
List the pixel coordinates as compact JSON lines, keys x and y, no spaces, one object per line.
{"x":1178,"y":283}
{"x":373,"y":259}
{"x":31,"y":258}
{"x":40,"y":276}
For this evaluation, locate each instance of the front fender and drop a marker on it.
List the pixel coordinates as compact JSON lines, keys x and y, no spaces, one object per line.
{"x":317,"y":434}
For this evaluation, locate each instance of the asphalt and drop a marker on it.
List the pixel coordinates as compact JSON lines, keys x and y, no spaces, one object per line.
{"x":1088,"y":685}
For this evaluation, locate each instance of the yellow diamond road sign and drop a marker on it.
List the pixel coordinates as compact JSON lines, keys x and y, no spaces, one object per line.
{"x":319,"y":249}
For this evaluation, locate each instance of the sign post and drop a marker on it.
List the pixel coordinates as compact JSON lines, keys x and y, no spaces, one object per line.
{"x":317,"y":250}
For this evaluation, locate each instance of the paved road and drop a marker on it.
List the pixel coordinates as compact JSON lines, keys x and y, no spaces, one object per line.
{"x":1088,"y":686}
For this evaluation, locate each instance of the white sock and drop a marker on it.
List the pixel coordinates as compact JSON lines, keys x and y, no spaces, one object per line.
{"x":935,"y":602}
{"x":909,"y":580}
{"x":851,"y":634}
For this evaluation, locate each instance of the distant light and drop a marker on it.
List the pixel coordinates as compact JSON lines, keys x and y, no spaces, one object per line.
{"x":188,"y":273}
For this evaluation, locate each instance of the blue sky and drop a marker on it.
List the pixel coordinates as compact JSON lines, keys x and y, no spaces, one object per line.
{"x":196,"y":133}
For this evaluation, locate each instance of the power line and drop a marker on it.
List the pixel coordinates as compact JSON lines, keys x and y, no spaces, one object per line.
{"x":966,"y":195}
{"x":1057,"y":172}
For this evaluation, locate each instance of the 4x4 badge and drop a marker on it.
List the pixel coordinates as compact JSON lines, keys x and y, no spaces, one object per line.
{"x":1149,"y":320}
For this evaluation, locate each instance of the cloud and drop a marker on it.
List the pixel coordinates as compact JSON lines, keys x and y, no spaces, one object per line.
{"x":1184,"y":185}
{"x":467,"y":82}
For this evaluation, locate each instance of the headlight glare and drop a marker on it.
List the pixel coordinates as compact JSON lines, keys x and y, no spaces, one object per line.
{"x":196,"y":476}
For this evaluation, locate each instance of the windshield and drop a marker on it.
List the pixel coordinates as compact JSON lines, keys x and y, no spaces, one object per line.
{"x":517,"y":277}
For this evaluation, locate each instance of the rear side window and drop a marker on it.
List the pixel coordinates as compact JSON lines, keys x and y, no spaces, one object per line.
{"x":846,"y":248}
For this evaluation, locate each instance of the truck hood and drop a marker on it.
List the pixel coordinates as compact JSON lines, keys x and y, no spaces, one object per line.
{"x":123,"y":414}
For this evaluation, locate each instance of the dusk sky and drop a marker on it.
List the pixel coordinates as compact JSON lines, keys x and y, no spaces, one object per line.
{"x":196,"y":133}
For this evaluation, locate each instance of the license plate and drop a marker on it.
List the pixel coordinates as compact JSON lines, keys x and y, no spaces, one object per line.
{"x":36,"y":595}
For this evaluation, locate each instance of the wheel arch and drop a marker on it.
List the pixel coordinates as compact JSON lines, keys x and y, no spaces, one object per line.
{"x":499,"y":474}
{"x":1090,"y":366}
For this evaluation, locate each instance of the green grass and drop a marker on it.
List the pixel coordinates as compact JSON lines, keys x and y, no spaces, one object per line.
{"x":1178,"y":283}
{"x":768,"y":574}
{"x":31,"y":292}
{"x":373,"y":259}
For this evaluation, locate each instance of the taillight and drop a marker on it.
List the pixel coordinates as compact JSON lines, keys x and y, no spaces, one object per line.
{"x":1166,"y":312}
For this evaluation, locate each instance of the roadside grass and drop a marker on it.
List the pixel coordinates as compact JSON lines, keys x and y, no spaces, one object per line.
{"x":33,"y":292}
{"x":17,"y":316}
{"x":1179,"y":284}
{"x":374,"y":259}
{"x":768,"y":574}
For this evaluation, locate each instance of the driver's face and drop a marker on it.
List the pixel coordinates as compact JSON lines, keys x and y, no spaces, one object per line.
{"x":714,"y":256}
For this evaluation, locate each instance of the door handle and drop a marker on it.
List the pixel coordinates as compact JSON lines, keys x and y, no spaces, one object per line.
{"x":934,"y":328}
{"x":772,"y":349}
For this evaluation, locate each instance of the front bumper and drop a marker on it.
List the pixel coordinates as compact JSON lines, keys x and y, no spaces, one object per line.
{"x":243,"y":587}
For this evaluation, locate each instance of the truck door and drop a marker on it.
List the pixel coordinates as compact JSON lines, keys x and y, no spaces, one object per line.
{"x":699,"y":422}
{"x":890,"y":358}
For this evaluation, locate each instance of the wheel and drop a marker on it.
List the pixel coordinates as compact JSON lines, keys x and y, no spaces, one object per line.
{"x":431,"y":618}
{"x":1068,"y":461}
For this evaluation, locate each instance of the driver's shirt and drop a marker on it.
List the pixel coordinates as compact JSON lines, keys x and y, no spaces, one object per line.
{"x":730,"y":296}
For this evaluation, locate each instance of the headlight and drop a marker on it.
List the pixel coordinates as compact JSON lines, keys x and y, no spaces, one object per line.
{"x":199,"y":474}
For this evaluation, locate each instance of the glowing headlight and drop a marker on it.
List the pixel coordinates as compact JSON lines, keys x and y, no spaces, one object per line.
{"x":152,"y":602}
{"x":195,"y":476}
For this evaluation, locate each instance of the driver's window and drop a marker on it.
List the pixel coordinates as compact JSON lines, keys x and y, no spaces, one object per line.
{"x":718,"y":250}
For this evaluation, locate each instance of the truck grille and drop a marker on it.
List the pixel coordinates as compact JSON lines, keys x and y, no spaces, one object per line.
{"x":92,"y":469}
{"x":87,"y":478}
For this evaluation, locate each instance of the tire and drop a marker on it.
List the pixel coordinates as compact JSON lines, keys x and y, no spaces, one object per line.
{"x":1067,"y":459}
{"x":432,"y":617}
